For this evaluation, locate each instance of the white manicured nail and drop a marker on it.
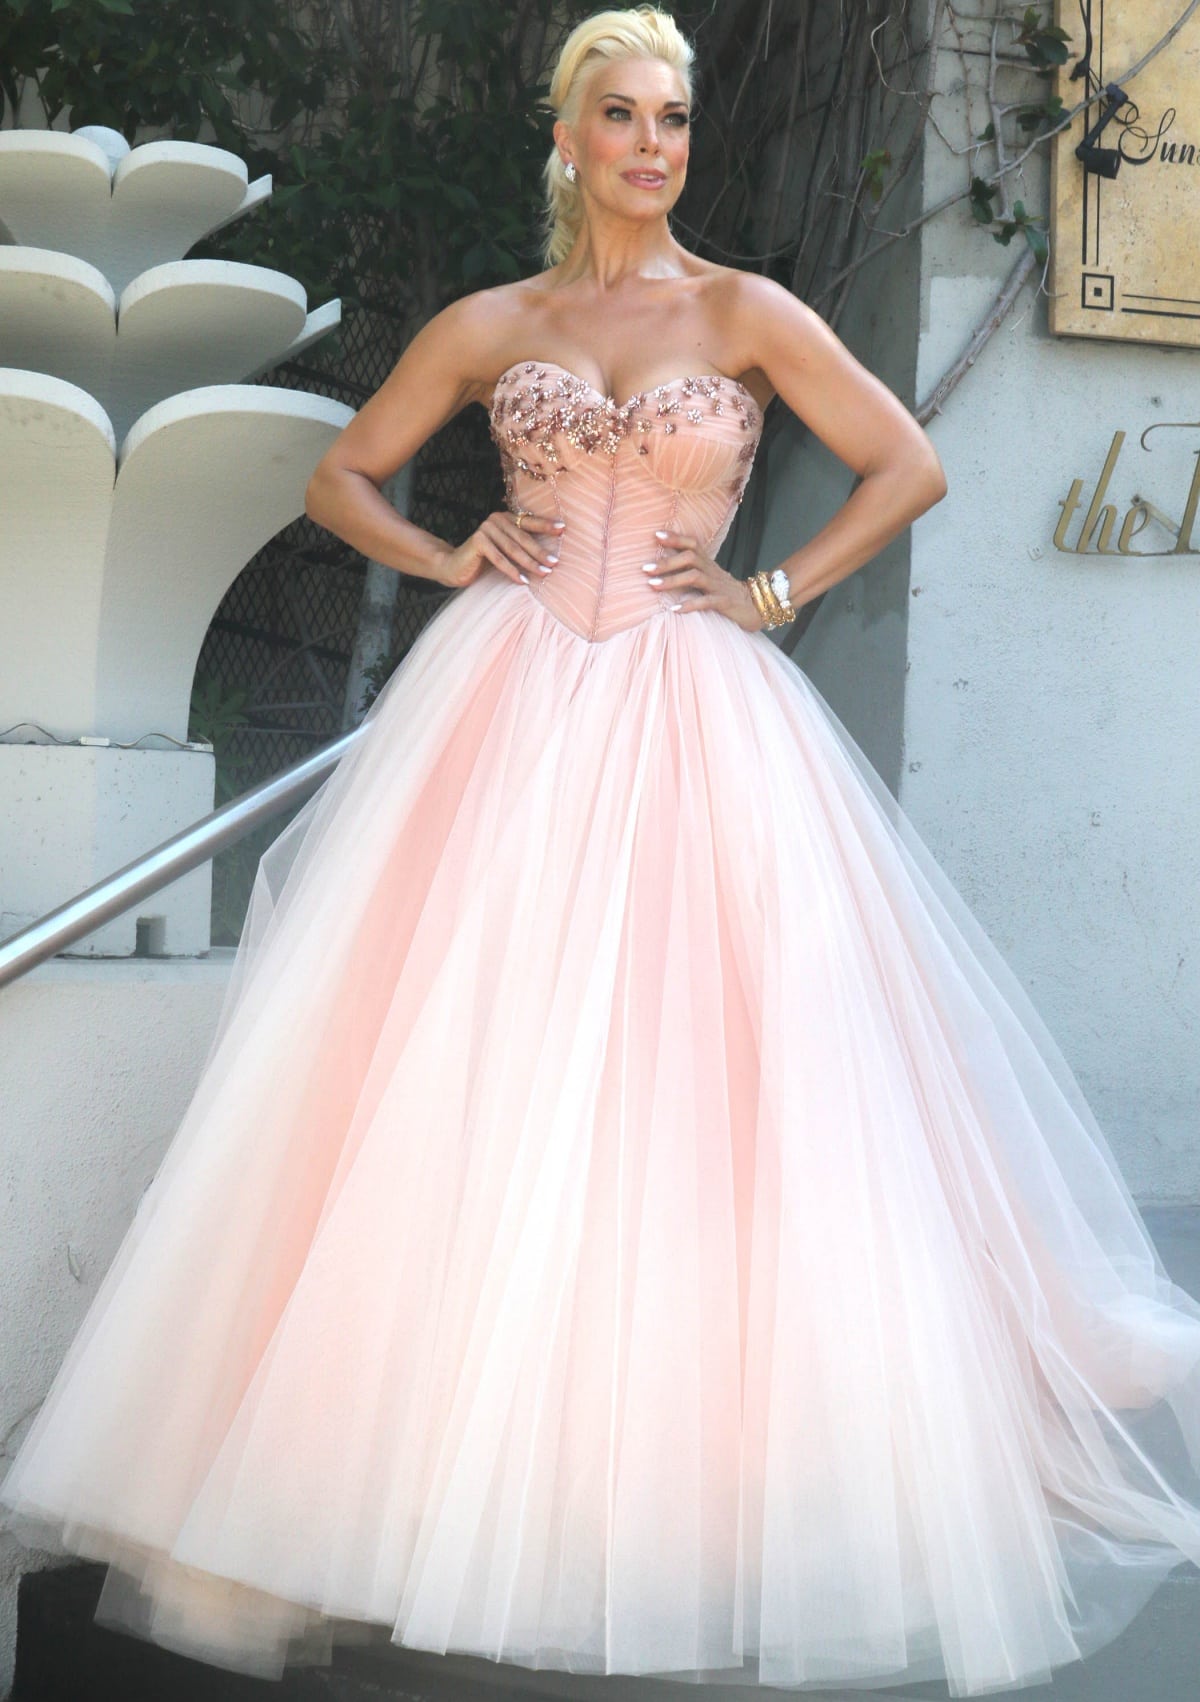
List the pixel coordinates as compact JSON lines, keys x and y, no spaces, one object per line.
{"x":654,"y":582}
{"x":522,"y":577}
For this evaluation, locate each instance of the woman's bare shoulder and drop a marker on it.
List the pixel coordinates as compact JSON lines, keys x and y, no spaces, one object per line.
{"x":483,"y":332}
{"x":736,"y":308}
{"x":733,"y":290}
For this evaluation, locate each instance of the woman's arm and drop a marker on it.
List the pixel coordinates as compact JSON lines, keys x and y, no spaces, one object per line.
{"x":856,"y":416}
{"x":443,"y":369}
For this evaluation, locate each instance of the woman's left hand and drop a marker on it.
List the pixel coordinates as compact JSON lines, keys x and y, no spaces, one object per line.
{"x":686,"y":565}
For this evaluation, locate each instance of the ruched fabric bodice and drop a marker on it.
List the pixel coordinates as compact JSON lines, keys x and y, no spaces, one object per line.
{"x":674,"y":458}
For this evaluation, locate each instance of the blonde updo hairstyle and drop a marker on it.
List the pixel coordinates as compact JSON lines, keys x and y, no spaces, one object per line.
{"x":642,"y":32}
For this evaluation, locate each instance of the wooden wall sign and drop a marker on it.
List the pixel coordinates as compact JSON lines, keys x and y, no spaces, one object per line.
{"x":1125,"y":250}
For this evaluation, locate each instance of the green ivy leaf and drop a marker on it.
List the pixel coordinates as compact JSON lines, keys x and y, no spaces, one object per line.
{"x":981,"y":197}
{"x":1047,"y":45}
{"x":874,"y":167}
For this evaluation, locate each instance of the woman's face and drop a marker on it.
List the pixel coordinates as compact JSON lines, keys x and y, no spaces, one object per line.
{"x":630,"y":140}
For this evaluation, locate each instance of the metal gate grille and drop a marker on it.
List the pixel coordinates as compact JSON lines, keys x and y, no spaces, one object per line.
{"x":284,"y":630}
{"x":278,"y":648}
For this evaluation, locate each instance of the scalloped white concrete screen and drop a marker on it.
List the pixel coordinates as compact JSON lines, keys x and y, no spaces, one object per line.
{"x":122,"y":211}
{"x":57,"y":465}
{"x":204,"y":480}
{"x":132,"y":562}
{"x":177,"y":325}
{"x":137,"y":478}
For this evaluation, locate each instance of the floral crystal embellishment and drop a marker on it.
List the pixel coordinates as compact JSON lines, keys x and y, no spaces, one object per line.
{"x":533,"y":408}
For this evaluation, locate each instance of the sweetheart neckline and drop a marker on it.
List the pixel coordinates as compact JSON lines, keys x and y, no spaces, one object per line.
{"x":718,"y":377}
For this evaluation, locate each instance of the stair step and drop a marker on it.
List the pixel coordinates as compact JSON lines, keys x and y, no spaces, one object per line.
{"x":63,"y":1656}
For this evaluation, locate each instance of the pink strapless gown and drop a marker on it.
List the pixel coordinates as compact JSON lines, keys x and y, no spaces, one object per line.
{"x":630,"y":1220}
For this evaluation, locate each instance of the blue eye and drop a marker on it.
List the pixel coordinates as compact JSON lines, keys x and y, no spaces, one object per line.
{"x":676,"y":118}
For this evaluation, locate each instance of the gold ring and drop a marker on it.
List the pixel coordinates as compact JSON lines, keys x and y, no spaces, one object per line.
{"x":520,"y":521}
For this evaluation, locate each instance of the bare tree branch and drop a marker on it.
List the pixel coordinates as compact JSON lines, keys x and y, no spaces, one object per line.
{"x":996,"y":314}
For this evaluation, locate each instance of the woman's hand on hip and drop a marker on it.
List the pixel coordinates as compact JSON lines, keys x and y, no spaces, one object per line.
{"x":687,"y":565}
{"x":518,"y":551}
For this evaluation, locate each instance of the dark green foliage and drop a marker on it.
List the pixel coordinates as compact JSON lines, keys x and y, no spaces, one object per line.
{"x":875,"y":167}
{"x":1044,"y":117}
{"x":149,"y":64}
{"x":1046,"y":44}
{"x":982,"y":196}
{"x":1031,"y":226}
{"x":405,"y":142}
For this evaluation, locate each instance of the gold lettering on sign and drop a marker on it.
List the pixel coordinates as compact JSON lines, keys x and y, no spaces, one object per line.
{"x":1183,"y":544}
{"x":1141,"y":514}
{"x":1094,"y":536}
{"x":1094,"y":513}
{"x":1069,"y":504}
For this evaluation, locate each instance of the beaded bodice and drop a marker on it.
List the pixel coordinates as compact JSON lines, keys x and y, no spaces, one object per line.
{"x":674,"y":458}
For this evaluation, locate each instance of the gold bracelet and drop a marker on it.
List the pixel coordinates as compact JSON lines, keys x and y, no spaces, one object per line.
{"x":772,"y":597}
{"x":759,"y":603}
{"x":768,"y":602}
{"x":780,"y":603}
{"x":769,"y":597}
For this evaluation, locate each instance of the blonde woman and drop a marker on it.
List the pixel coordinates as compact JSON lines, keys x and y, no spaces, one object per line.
{"x":631,"y":1221}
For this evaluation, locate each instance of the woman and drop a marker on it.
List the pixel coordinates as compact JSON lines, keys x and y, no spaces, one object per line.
{"x":630,"y":1220}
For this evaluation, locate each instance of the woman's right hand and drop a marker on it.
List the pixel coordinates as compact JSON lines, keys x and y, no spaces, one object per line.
{"x":517,"y":551}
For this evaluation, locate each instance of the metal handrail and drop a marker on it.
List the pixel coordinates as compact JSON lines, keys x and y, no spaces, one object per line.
{"x":118,"y":892}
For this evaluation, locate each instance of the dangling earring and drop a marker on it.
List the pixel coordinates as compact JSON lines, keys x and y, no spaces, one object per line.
{"x":569,"y":171}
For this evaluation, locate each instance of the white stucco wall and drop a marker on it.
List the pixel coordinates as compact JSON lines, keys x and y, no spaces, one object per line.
{"x":1051,"y":740}
{"x":98,"y":1060}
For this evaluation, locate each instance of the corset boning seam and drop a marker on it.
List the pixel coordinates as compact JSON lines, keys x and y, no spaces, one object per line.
{"x":672,"y":524}
{"x":661,"y":613}
{"x":612,"y":497}
{"x":537,"y":587}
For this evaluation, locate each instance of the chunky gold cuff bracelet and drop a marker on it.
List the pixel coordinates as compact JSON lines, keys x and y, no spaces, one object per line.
{"x":774,"y":612}
{"x":760,"y":602}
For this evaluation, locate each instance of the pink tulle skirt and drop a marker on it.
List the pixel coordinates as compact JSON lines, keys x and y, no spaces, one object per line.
{"x":630,"y":1221}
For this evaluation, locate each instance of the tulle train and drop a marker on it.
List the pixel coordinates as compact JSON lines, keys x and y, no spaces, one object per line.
{"x":630,"y":1221}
